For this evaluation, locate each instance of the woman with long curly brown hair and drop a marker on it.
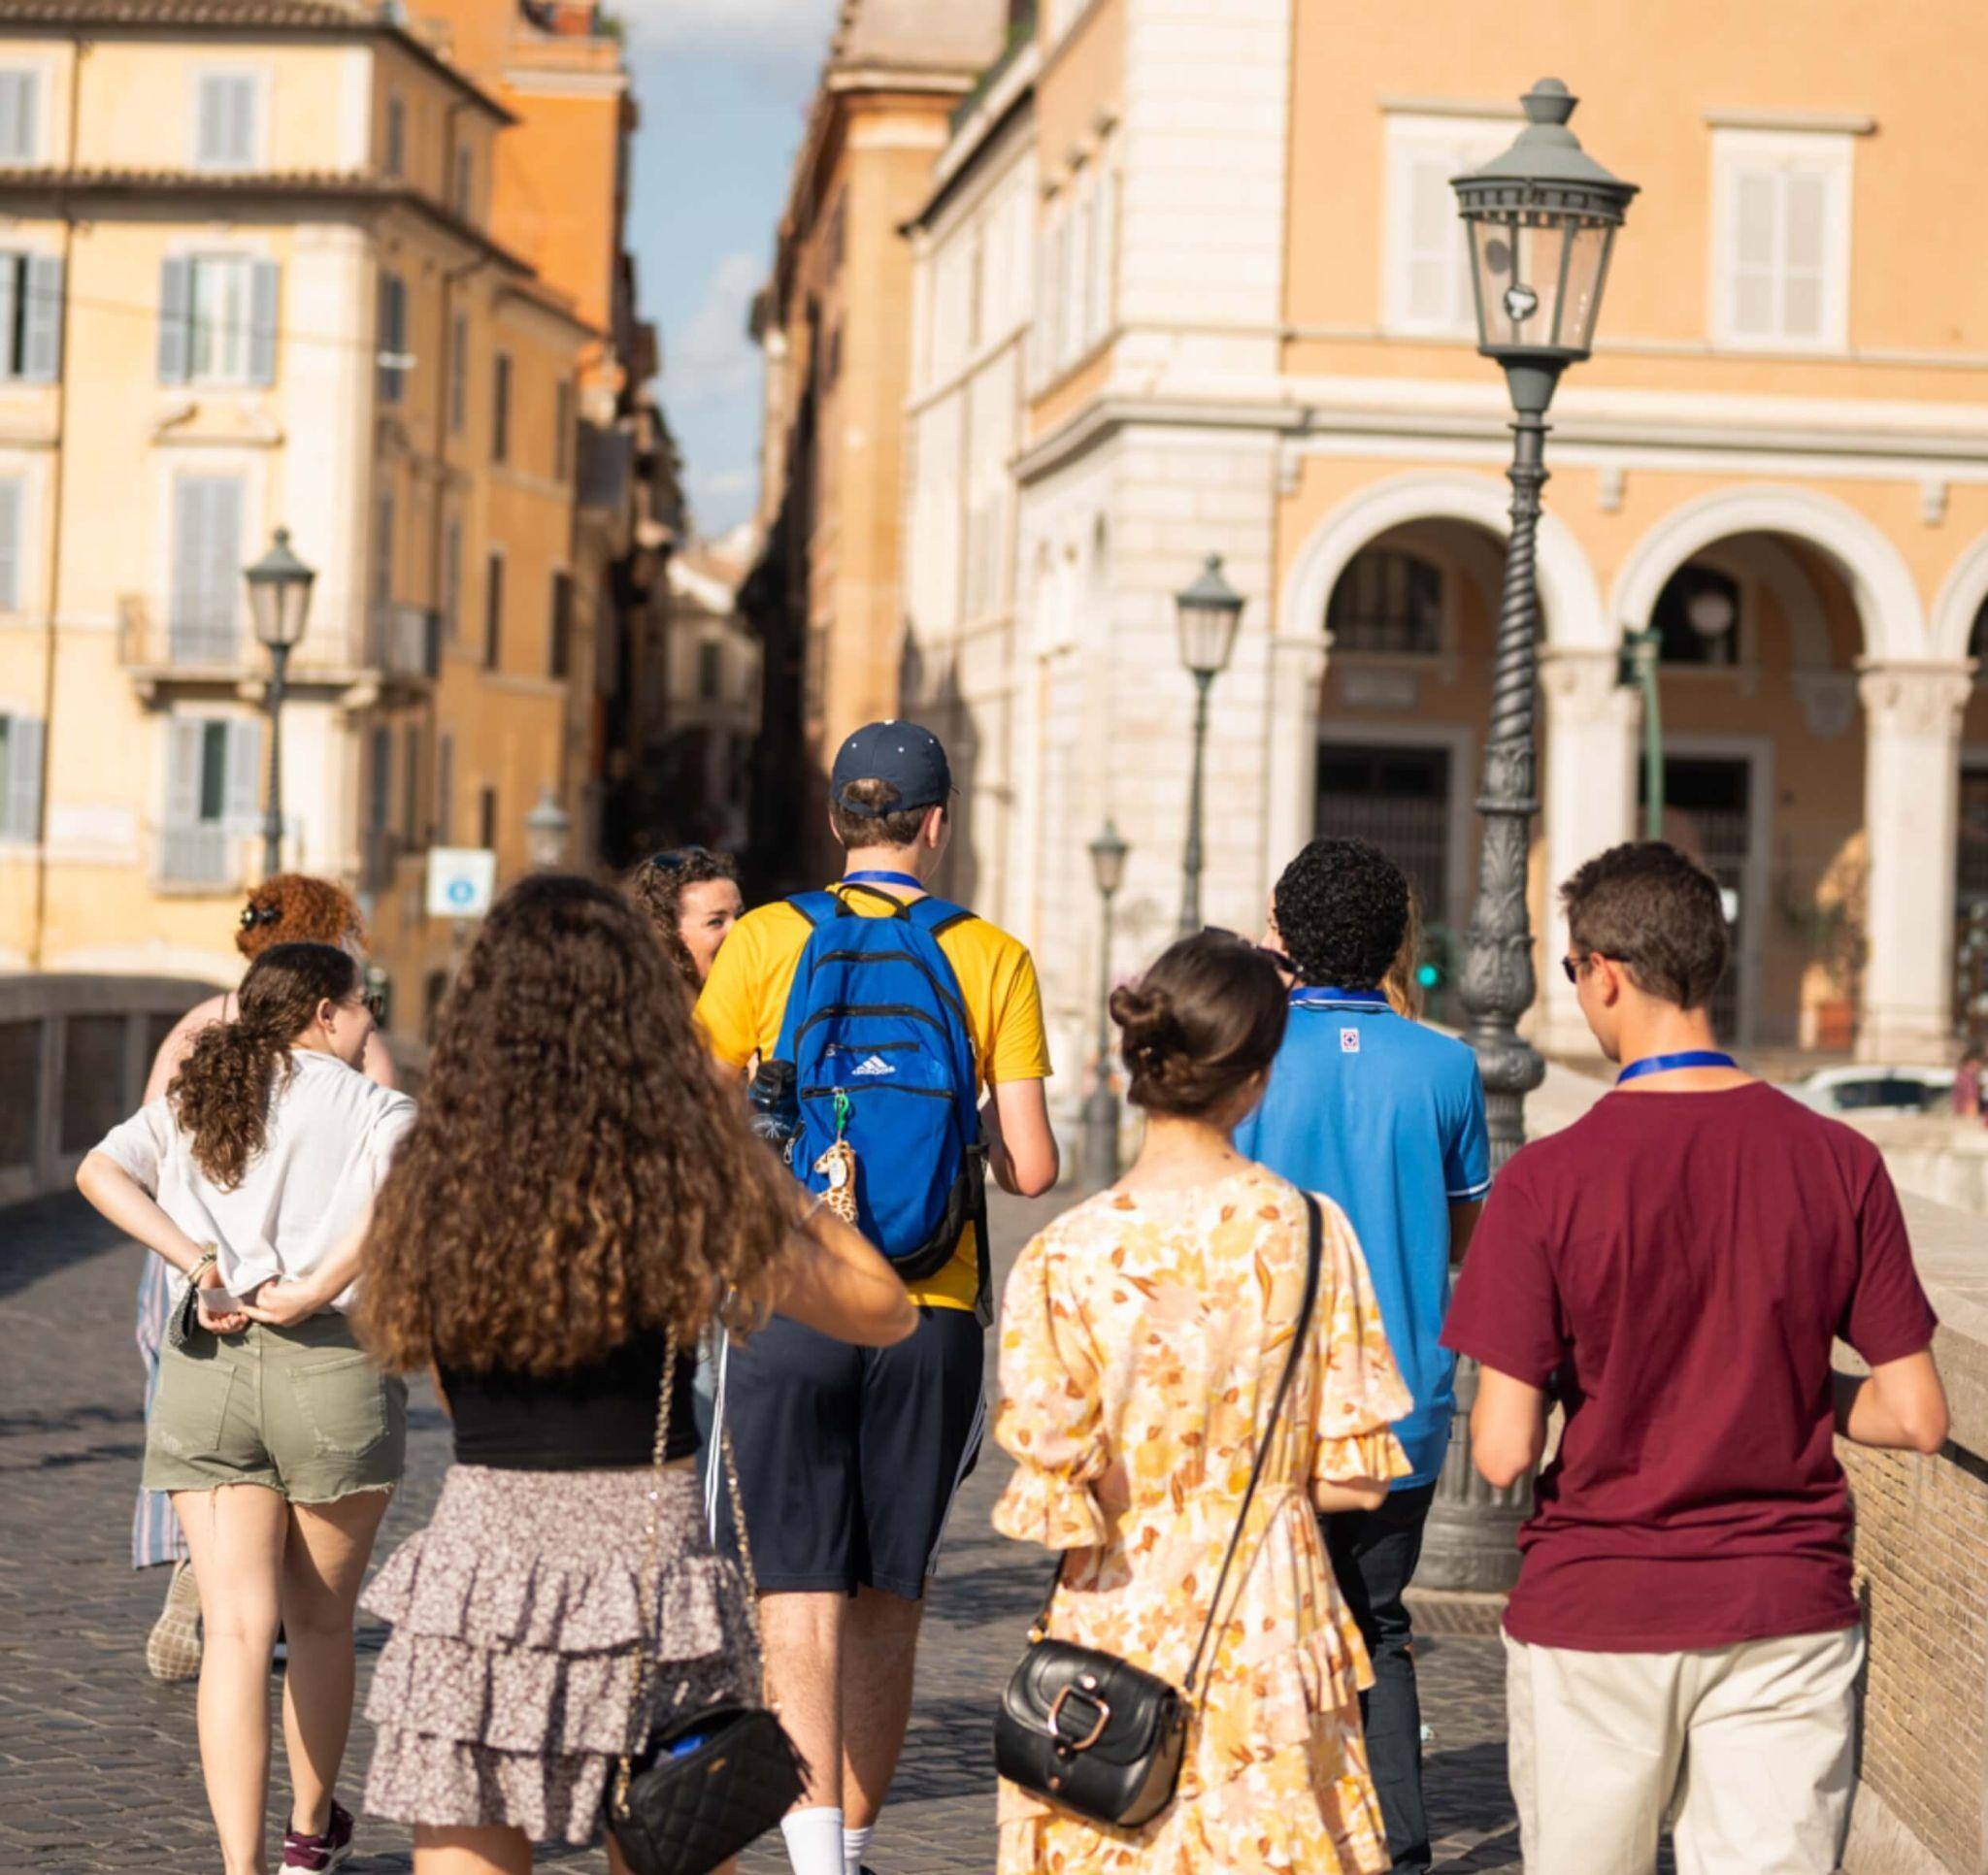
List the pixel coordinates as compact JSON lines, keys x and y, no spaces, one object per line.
{"x":285,"y":908}
{"x":692,"y":897}
{"x":278,"y":1439}
{"x":578,"y":1196}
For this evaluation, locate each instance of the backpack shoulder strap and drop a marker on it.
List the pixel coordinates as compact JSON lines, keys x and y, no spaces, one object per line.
{"x":936,"y":916}
{"x":817,"y":908}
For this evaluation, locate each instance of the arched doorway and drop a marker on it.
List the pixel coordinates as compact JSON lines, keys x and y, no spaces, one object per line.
{"x":1409,"y":622}
{"x":1763,"y":778}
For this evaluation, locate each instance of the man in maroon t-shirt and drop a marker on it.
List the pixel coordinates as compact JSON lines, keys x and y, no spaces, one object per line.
{"x":1674,"y":1268}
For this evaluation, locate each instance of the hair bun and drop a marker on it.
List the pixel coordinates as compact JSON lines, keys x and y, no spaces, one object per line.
{"x":1150,"y":1026}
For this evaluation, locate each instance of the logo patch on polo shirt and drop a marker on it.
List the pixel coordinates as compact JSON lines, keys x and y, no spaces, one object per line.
{"x":1349,"y":1041}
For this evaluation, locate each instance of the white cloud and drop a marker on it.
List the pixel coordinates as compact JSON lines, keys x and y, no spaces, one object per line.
{"x":779,"y":39}
{"x":712,"y":359}
{"x":725,"y":482}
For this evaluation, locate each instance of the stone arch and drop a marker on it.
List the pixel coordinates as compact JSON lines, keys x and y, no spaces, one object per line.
{"x":1569,"y":593}
{"x":1881,"y":585}
{"x":1960,"y":596}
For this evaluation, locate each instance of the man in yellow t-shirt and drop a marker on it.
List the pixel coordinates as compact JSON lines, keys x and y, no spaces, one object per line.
{"x":849,"y":1458}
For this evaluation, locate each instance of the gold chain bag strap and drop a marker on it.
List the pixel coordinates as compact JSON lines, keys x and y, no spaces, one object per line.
{"x":709,"y":1781}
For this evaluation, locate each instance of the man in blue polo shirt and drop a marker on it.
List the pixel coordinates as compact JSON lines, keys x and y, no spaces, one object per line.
{"x":1387,"y":1118}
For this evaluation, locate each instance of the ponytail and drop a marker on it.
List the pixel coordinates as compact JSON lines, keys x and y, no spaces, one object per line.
{"x":222,"y":1091}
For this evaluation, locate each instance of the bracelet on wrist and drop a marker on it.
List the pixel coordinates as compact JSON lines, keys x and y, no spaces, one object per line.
{"x":206,"y":1261}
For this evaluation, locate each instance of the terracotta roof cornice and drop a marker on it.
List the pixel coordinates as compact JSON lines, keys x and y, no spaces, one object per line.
{"x":246,"y":17}
{"x":359,"y":187}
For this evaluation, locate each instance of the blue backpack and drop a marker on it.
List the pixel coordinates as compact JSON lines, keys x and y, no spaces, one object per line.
{"x":875,"y":1027}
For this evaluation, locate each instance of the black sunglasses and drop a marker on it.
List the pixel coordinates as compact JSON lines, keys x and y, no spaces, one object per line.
{"x":676,"y":856}
{"x":1574,"y":966}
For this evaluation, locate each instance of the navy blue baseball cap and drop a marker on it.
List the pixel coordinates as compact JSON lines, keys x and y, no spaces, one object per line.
{"x":907,"y":755}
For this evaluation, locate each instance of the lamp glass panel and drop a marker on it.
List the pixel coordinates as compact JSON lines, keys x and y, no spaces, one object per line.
{"x":1207,"y":634}
{"x":1587,"y":256}
{"x":1518,"y":270}
{"x":1108,"y":864}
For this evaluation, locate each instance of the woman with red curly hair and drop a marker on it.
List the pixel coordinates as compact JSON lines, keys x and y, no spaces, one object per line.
{"x":285,"y":908}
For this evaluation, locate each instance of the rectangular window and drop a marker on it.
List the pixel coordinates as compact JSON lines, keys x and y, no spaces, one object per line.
{"x":445,"y":788}
{"x":396,"y":156}
{"x":12,"y":498}
{"x":1104,"y":249}
{"x":465,"y":183}
{"x":458,"y":373}
{"x":494,"y":610}
{"x":411,"y":785}
{"x":20,"y":778}
{"x":562,"y":431}
{"x":227,"y":121}
{"x":710,"y":670}
{"x":218,"y":319}
{"x":1781,"y":229}
{"x":21,"y":115}
{"x":1427,"y":289}
{"x":213,"y":798}
{"x":30,"y":316}
{"x":205,"y":604}
{"x":561,"y":657}
{"x":379,"y":776}
{"x":393,"y":338}
{"x":487,"y":817}
{"x":451,"y":580}
{"x":500,"y":408}
{"x":383,"y":562}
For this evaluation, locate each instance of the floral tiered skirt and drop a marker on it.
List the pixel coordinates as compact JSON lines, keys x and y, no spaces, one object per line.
{"x":506,"y":1694}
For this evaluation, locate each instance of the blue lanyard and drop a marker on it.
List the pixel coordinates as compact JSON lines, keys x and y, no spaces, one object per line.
{"x":1313,"y":997}
{"x":906,"y":879}
{"x":1664,"y":1064}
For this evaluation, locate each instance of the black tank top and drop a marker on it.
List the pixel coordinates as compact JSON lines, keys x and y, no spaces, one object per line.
{"x":588,"y":1420}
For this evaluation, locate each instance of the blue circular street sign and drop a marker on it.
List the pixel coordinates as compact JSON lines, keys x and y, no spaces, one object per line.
{"x":459,"y":892}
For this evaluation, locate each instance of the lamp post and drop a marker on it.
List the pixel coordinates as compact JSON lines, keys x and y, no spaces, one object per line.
{"x":1208,"y":612}
{"x":545,"y":830}
{"x":1101,"y":1110}
{"x":1540,"y":221}
{"x":1638,"y":671}
{"x":278,"y":604}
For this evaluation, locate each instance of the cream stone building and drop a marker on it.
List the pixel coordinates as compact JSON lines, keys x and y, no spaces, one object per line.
{"x":1245,"y":319}
{"x":248,"y":279}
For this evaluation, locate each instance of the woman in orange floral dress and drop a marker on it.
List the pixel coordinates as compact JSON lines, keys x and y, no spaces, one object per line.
{"x":1142,"y":1337}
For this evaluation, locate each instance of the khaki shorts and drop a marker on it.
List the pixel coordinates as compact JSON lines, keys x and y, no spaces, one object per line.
{"x":299,"y":1409}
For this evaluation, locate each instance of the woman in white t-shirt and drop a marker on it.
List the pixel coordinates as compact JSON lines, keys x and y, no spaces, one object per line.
{"x":253,"y":1178}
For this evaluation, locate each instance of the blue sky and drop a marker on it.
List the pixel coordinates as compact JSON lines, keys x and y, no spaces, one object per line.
{"x":724,"y":86}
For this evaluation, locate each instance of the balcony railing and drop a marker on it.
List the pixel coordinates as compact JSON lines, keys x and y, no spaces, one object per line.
{"x":202,"y":852}
{"x":158,"y":643}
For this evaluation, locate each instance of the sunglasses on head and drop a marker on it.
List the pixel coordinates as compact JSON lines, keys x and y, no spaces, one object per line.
{"x":676,"y":856}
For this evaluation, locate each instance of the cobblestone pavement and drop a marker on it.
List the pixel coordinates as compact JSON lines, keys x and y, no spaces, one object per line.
{"x":98,"y":1764}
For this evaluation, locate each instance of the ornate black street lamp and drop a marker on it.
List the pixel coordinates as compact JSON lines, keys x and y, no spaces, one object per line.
{"x":1638,"y":672}
{"x":1101,"y":1110}
{"x":278,"y":604}
{"x":1209,"y":610}
{"x":547,"y":830}
{"x":1541,"y":219}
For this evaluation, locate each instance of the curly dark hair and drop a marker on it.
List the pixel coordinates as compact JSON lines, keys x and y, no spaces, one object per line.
{"x":294,"y":908}
{"x":1205,"y":1019}
{"x":657,"y":885}
{"x":1342,"y":909}
{"x":576,"y":1174}
{"x":222,"y":1094}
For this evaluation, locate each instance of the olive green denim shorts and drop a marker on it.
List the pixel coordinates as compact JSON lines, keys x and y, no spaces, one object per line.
{"x":300,"y":1409}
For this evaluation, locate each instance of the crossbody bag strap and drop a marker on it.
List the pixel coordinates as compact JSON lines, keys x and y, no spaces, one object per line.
{"x":1313,"y":1256}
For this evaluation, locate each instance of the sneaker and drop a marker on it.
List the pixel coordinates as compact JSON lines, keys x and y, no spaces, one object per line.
{"x":173,"y":1649}
{"x":326,"y":1851}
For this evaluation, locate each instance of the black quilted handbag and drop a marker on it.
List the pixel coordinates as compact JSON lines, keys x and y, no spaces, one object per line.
{"x":1091,"y":1733}
{"x":710,"y":1781}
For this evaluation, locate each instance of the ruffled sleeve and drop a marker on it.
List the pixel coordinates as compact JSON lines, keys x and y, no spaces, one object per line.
{"x":1364,"y":1392}
{"x":1050,"y":1420}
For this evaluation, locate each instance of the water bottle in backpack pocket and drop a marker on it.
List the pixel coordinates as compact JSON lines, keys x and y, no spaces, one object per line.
{"x":884,"y":1076}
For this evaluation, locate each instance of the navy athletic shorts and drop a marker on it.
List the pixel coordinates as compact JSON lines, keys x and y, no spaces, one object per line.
{"x":849,"y":1457}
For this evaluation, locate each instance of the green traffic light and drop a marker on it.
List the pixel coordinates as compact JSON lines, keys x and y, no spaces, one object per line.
{"x":1428,"y":975}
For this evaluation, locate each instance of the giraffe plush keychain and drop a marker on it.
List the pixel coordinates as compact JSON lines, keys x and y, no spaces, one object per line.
{"x":839,"y":1166}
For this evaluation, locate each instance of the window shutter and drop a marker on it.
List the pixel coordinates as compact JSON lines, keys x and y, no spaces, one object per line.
{"x":445,"y":788}
{"x":1804,"y":242}
{"x":1431,"y":286}
{"x":241,"y":121}
{"x":189,"y":530}
{"x":223,"y":559}
{"x":19,"y":96}
{"x":1755,"y":213}
{"x":12,"y":267}
{"x":20,"y":812}
{"x":245,"y":775}
{"x":41,"y":327}
{"x":176,"y":325}
{"x":210,"y":131}
{"x":9,"y":544}
{"x":185,"y":740}
{"x":262,"y":316}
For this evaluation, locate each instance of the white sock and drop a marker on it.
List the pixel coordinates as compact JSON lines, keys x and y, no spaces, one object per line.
{"x":855,"y":1846}
{"x":814,"y":1840}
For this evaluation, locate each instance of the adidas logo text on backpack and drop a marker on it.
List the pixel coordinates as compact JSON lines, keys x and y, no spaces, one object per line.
{"x":876,"y":1027}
